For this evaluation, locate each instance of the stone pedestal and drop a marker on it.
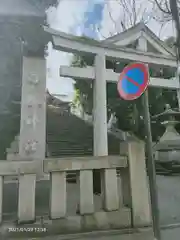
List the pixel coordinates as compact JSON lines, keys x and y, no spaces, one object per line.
{"x":135,"y":183}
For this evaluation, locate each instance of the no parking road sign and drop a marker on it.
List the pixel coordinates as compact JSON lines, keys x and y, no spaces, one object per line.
{"x":133,"y":81}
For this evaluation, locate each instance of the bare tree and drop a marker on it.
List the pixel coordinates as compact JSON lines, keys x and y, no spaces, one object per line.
{"x":164,"y":7}
{"x":163,"y":12}
{"x":130,"y":13}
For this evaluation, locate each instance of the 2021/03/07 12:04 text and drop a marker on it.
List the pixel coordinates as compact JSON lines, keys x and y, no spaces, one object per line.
{"x":27,"y":229}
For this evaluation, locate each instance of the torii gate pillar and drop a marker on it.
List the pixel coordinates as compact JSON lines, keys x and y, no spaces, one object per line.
{"x":100,"y":140}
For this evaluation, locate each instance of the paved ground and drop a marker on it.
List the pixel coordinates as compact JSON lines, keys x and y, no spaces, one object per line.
{"x":146,"y":235}
{"x":167,"y":234}
{"x":169,"y":199}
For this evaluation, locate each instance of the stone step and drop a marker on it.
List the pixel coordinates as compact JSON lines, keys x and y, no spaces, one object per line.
{"x":67,"y":145}
{"x":71,"y":151}
{"x":79,"y":142}
{"x":70,"y":131}
{"x":60,"y":128}
{"x":70,"y":146}
{"x":79,"y":154}
{"x":74,"y":128}
{"x":69,"y":135}
{"x":66,"y":123}
{"x":72,"y":154}
{"x":71,"y":140}
{"x":63,"y":141}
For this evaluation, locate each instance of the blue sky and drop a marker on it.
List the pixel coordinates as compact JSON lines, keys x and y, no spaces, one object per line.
{"x":92,"y":18}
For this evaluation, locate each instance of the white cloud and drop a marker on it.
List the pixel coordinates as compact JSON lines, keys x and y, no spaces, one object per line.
{"x":55,"y":83}
{"x":69,"y":13}
{"x":108,"y":27}
{"x":66,"y":17}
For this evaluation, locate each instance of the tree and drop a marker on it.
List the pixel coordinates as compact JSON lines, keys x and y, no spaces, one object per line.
{"x":164,"y":7}
{"x":84,"y":93}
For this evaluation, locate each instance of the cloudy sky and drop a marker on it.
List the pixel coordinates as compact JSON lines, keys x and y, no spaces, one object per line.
{"x":85,"y":17}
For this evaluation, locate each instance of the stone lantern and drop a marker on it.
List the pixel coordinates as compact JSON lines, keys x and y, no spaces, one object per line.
{"x":167,"y":150}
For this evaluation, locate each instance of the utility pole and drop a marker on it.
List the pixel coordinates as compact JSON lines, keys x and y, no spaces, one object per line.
{"x":175,"y":17}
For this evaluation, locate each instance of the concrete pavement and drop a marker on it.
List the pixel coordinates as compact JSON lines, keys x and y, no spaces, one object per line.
{"x":139,"y":234}
{"x":169,"y":199}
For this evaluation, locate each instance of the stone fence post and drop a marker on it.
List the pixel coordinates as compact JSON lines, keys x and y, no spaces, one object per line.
{"x":135,"y":185}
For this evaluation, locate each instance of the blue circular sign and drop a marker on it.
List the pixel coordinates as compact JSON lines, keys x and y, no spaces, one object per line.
{"x":133,"y":81}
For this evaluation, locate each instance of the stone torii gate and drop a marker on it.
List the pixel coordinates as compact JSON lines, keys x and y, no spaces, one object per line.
{"x":33,"y":107}
{"x":33,"y":104}
{"x":112,"y":49}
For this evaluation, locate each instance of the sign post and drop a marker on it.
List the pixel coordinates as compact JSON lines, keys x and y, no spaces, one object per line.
{"x":151,"y":169}
{"x":132,"y":83}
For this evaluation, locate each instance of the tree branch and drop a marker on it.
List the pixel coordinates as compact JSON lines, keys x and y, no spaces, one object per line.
{"x":161,"y":8}
{"x":134,"y":12}
{"x":110,"y":15}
